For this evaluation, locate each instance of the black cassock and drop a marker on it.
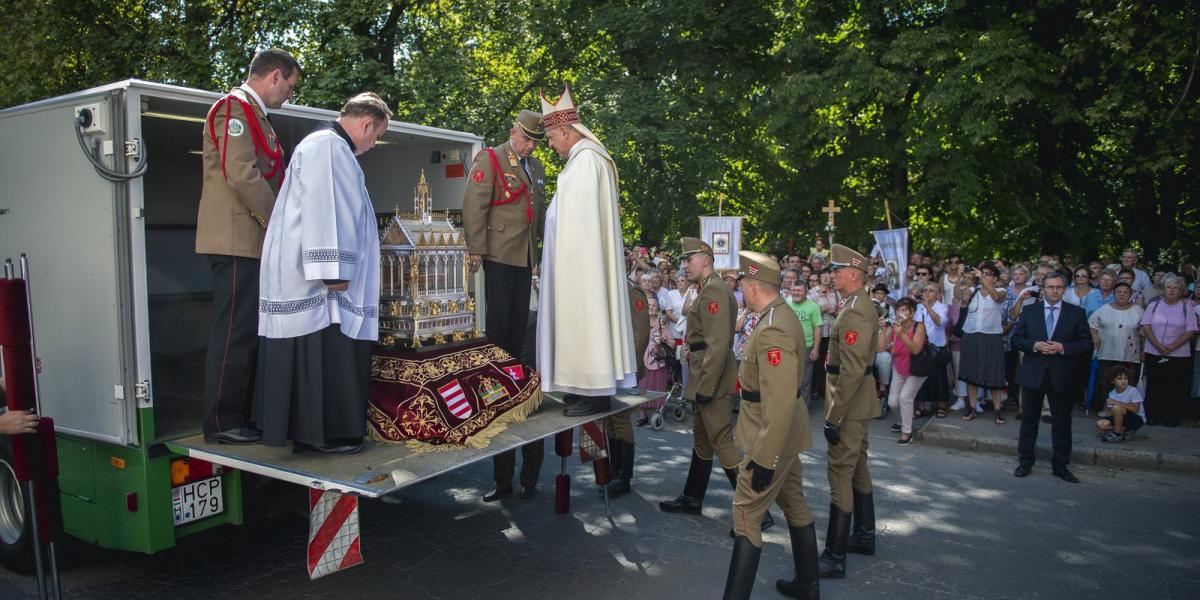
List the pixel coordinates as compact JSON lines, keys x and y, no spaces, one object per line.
{"x":313,"y":388}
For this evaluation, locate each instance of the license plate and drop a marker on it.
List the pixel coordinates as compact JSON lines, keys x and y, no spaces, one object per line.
{"x":197,"y":500}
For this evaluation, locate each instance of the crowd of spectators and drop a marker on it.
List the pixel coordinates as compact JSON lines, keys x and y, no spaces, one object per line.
{"x":958,"y":316}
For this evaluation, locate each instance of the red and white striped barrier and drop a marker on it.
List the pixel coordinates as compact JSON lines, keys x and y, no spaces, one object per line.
{"x":333,"y":542}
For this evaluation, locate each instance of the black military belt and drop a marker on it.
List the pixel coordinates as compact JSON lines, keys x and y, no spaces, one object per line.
{"x":837,"y":369}
{"x":698,"y":346}
{"x":751,"y":396}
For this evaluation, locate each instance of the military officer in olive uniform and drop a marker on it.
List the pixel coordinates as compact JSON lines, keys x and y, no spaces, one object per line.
{"x":502,"y":221}
{"x":850,"y":388}
{"x":619,"y":426}
{"x":243,"y":167}
{"x":772,"y":431}
{"x":712,"y":379}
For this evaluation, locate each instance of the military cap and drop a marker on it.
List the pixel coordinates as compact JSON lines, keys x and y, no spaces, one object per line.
{"x":756,"y":265}
{"x":693,"y":245}
{"x":530,"y":124}
{"x":842,"y":256}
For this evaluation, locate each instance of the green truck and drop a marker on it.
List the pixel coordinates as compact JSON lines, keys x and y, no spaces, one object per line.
{"x":122,"y":309}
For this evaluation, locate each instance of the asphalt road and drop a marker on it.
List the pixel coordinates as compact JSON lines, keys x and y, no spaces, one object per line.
{"x":952,"y":525}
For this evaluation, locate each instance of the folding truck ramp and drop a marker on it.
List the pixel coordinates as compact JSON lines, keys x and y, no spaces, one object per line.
{"x":381,"y":467}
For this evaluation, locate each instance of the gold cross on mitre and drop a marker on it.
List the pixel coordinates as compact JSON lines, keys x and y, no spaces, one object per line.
{"x":831,"y":209}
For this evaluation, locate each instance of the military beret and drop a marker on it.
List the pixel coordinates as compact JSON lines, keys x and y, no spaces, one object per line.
{"x":530,"y":124}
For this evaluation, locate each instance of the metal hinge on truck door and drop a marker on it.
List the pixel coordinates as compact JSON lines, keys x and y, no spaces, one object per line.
{"x":142,"y":393}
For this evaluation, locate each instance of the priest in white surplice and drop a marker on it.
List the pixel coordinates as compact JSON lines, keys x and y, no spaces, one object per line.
{"x":318,"y":310}
{"x":584,"y":331}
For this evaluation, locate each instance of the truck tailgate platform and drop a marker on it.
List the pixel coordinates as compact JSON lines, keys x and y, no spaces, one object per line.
{"x":384,"y":467}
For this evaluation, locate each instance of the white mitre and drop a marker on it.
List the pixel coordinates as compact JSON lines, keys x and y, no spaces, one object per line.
{"x":562,"y":112}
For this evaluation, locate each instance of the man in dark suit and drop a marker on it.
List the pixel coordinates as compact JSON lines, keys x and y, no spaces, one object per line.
{"x":1055,"y":339}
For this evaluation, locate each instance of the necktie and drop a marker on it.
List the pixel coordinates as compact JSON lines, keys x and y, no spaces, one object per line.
{"x":525,"y":167}
{"x":1050,"y":320}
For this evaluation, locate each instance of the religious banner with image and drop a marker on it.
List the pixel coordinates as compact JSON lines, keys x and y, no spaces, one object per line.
{"x":724,"y":234}
{"x":448,"y":398}
{"x":892,"y":245}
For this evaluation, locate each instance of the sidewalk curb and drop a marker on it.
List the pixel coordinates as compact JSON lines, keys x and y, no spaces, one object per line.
{"x":1115,"y":458}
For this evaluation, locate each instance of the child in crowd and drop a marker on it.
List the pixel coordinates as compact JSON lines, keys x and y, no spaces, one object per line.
{"x":1125,"y":402}
{"x":654,"y":355}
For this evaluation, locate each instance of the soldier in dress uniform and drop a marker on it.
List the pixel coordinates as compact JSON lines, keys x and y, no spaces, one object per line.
{"x":850,"y":388}
{"x":243,"y":169}
{"x":619,"y":426}
{"x":772,"y":431}
{"x":712,"y":380}
{"x":502,"y":221}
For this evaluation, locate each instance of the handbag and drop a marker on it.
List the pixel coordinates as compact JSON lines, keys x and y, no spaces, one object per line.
{"x":962,"y":316}
{"x":924,"y":363}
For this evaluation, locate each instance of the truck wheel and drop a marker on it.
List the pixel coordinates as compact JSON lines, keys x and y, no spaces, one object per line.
{"x":16,"y":547}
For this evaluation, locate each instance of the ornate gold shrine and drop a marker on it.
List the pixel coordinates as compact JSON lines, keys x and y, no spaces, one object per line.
{"x":423,"y":277}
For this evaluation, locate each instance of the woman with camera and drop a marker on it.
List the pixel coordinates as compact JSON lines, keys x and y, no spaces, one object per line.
{"x":905,"y":338}
{"x":982,"y":364}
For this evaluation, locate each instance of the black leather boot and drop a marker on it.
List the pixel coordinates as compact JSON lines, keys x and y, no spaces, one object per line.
{"x":742,"y":568}
{"x":862,"y":538}
{"x":807,"y":584}
{"x":693,"y":491}
{"x":622,"y":462}
{"x":837,"y":537}
{"x":627,"y":454}
{"x":614,"y":466}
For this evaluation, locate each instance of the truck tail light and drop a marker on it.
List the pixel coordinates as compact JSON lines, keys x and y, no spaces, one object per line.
{"x":179,"y":471}
{"x":201,"y":469}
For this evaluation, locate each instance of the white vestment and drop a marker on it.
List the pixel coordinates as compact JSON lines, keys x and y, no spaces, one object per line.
{"x":323,"y":227}
{"x":584,"y":329}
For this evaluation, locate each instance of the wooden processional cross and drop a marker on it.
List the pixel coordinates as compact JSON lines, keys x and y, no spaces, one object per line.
{"x":831,"y":209}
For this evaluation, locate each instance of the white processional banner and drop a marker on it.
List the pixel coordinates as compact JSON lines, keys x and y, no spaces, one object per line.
{"x":892,"y":244}
{"x":724,"y":234}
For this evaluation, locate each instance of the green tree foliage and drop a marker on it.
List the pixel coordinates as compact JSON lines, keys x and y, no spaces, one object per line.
{"x":989,"y":127}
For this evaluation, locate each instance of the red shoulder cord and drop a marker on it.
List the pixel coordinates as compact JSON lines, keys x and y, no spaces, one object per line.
{"x":256,"y":134}
{"x":511,"y":195}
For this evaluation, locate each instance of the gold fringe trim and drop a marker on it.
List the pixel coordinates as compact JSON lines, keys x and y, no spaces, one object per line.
{"x":482,"y":438}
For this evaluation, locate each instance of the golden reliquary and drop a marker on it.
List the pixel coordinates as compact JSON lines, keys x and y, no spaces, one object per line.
{"x":423,"y":277}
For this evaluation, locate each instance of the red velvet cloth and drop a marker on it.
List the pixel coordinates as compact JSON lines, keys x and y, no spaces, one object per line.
{"x":448,"y":396}
{"x":14,"y":344}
